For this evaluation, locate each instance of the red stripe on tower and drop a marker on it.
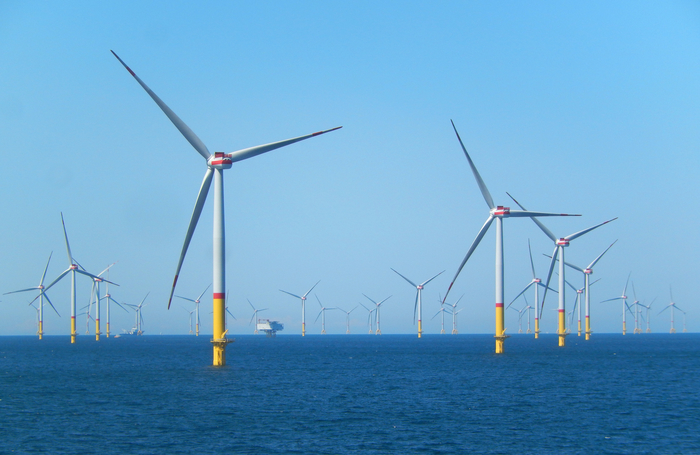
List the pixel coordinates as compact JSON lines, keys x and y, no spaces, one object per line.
{"x":499,"y":305}
{"x":220,"y":295}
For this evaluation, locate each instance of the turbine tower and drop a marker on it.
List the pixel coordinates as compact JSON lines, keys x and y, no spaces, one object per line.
{"x":196,"y":308}
{"x":303,"y":308}
{"x":497,"y":213}
{"x":377,"y":304}
{"x":322,"y":314}
{"x":369,"y":318}
{"x":442,"y":317}
{"x":42,"y":294}
{"x":646,"y":318}
{"x":418,"y":305}
{"x":625,"y":307}
{"x":673,"y":306}
{"x":96,"y":292}
{"x":454,"y":314}
{"x":108,"y":298}
{"x":216,"y":164}
{"x":347,"y":318}
{"x":537,"y":282}
{"x":73,"y":268}
{"x":559,"y":245}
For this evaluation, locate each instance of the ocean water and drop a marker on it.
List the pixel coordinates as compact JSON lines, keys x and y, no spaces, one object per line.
{"x":340,"y":394}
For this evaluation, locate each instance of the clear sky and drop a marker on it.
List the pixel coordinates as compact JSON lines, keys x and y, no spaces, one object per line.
{"x":576,"y":107}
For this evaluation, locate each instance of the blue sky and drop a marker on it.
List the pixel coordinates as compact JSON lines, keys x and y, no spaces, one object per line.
{"x":587,"y":108}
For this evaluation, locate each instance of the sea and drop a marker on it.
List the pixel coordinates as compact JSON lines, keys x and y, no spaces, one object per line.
{"x":351,"y":394}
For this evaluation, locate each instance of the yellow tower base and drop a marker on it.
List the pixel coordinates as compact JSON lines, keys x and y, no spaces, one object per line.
{"x":303,"y":329}
{"x":537,"y":328}
{"x":500,"y":329}
{"x":562,"y":328}
{"x":624,"y":328}
{"x":72,"y":329}
{"x":420,"y":329}
{"x":579,"y":327}
{"x":41,"y":330}
{"x":97,"y":329}
{"x":588,"y":328}
{"x":108,"y":330}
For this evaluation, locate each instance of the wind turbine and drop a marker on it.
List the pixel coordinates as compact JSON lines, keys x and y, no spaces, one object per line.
{"x":109,"y":299}
{"x":648,"y":309}
{"x":369,"y":318}
{"x":190,"y":313}
{"x":322,"y":314}
{"x":497,"y":213}
{"x":442,"y":321}
{"x":454,"y":314}
{"x":537,"y":282}
{"x":347,"y":318}
{"x":418,"y":305}
{"x":586,"y":274}
{"x":196,"y":308}
{"x":303,"y":309}
{"x":625,"y":307}
{"x":139,"y":316}
{"x":42,"y":294}
{"x":96,"y":292}
{"x":672,"y":306}
{"x":255,"y":314}
{"x":521,"y":312}
{"x":377,"y":304}
{"x":73,"y":268}
{"x":559,"y":245}
{"x":637,"y":325}
{"x":216,"y":164}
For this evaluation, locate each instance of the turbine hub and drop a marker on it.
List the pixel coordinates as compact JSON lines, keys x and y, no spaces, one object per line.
{"x":588,"y":271}
{"x":537,"y":280}
{"x":74,"y":267}
{"x":580,"y":291}
{"x":419,"y":287}
{"x":563,"y":242}
{"x":501,"y":211}
{"x":220,"y":160}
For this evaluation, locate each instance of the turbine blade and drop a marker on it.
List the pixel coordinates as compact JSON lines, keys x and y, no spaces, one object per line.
{"x":65,"y":235}
{"x":45,"y":269}
{"x":293,"y":295}
{"x":521,"y":293}
{"x":624,"y":291}
{"x":179,"y":124}
{"x":590,"y":266}
{"x":549,"y":276}
{"x":22,"y":290}
{"x":227,"y":310}
{"x":200,"y":295}
{"x":415,"y":308}
{"x":251,"y":305}
{"x":50,"y":303}
{"x":185,"y":298}
{"x":532,"y":264}
{"x":580,"y":233}
{"x":56,"y":280}
{"x":479,"y":180}
{"x":244,"y":154}
{"x":475,"y":243}
{"x":542,"y":227}
{"x":409,"y":281}
{"x":198,"y":206}
{"x":312,"y":288}
{"x":426,"y":282}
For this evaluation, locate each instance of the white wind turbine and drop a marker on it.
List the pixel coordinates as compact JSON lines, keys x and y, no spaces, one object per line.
{"x":377,"y":305}
{"x":559,"y":245}
{"x":442,"y":311}
{"x":96,"y":293}
{"x":216,"y":164}
{"x":139,"y":317}
{"x":625,"y":307}
{"x":369,"y":318}
{"x":42,"y":294}
{"x":303,"y":306}
{"x":454,"y":312}
{"x":648,"y":309}
{"x":108,"y":298}
{"x":190,"y":313}
{"x":196,"y":308}
{"x":521,"y":312}
{"x":418,"y":305}
{"x":347,"y":318}
{"x":673,"y":306}
{"x":537,"y":282}
{"x":586,"y":274}
{"x":255,"y":316}
{"x":322,"y":314}
{"x":73,"y":268}
{"x":497,"y":213}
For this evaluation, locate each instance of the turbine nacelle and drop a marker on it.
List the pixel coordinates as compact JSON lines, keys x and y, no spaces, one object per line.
{"x":219,"y":160}
{"x":536,"y":280}
{"x":73,"y":267}
{"x":588,"y":271}
{"x":500,"y":211}
{"x":563,"y":242}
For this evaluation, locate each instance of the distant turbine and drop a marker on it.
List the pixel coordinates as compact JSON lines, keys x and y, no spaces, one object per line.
{"x":190,"y":313}
{"x":322,"y":314}
{"x":673,"y":306}
{"x":42,"y":294}
{"x":196,"y":308}
{"x":497,"y":213}
{"x":559,"y":245}
{"x":646,"y":318}
{"x":96,"y":292}
{"x":377,"y":304}
{"x":418,"y":305}
{"x":73,"y":268}
{"x":303,"y":309}
{"x":625,"y":307}
{"x":537,"y":282}
{"x":442,"y":311}
{"x":139,"y":317}
{"x":216,"y":164}
{"x":369,"y":318}
{"x":454,"y":314}
{"x":521,"y":312}
{"x":108,"y":298}
{"x":254,"y":317}
{"x":347,"y":318}
{"x":637,"y":324}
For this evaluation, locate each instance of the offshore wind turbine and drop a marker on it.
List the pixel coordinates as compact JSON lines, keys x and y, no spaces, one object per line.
{"x":96,"y":292}
{"x":347,"y":318}
{"x":377,"y":304}
{"x":537,"y":282}
{"x":139,"y":316}
{"x":454,"y":314}
{"x":559,"y":245}
{"x":190,"y":313}
{"x":73,"y":268}
{"x":646,"y":318}
{"x":303,"y":308}
{"x":418,"y":305}
{"x":625,"y":307}
{"x":42,"y":294}
{"x":322,"y":314}
{"x":586,"y":274}
{"x":196,"y":308}
{"x":369,"y":318}
{"x":216,"y":164}
{"x":442,"y":321}
{"x":108,"y":298}
{"x":672,"y":306}
{"x":497,"y":213}
{"x":254,"y":317}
